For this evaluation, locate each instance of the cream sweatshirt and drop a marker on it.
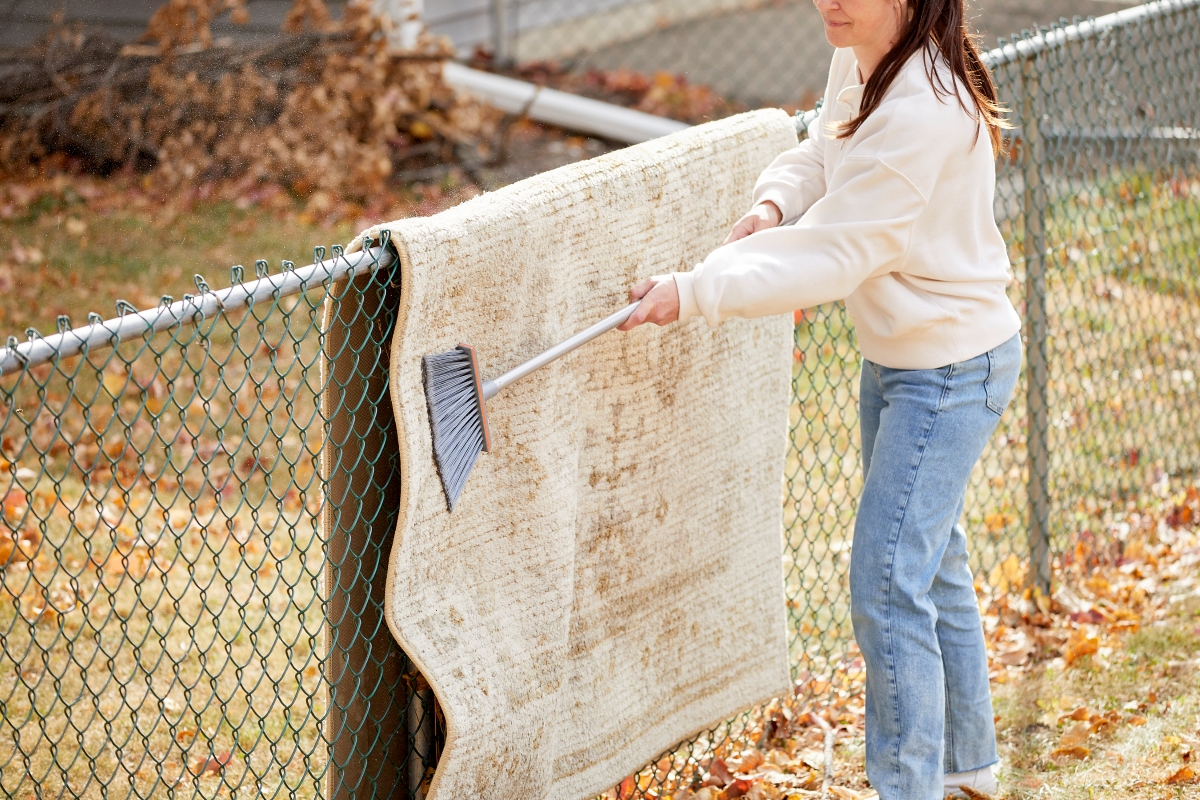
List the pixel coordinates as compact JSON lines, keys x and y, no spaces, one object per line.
{"x":897,"y":221}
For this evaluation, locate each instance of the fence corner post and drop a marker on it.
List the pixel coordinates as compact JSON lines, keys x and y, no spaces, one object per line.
{"x":371,"y":753}
{"x":1037,"y":367}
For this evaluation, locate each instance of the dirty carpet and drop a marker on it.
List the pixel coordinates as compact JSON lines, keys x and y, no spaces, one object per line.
{"x":611,"y":581}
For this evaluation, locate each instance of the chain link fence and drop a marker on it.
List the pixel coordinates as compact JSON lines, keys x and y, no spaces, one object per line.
{"x":172,"y":621}
{"x":755,"y":52}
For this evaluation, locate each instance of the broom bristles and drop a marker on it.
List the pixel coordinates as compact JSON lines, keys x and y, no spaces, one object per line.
{"x":456,"y":417}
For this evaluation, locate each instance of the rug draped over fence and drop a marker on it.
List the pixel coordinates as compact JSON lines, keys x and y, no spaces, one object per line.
{"x":611,"y":580}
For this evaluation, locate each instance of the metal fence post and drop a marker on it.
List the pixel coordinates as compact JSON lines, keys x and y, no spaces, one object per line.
{"x":371,"y":751}
{"x":1037,"y":371}
{"x":419,"y":724}
{"x":501,"y":35}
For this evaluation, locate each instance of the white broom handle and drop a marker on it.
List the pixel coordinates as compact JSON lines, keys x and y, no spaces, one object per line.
{"x":492,"y":388}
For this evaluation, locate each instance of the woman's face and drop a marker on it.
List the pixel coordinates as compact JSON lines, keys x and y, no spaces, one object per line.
{"x":863,"y":23}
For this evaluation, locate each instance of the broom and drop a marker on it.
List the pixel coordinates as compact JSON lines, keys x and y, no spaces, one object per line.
{"x":457,"y":398}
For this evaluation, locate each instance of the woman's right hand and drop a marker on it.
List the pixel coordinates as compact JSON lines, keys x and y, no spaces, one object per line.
{"x":763,"y":216}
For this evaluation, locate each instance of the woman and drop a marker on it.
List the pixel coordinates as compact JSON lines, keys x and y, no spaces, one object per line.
{"x":891,"y":199}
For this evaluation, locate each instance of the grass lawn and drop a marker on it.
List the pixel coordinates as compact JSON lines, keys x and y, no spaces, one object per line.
{"x":80,"y":246}
{"x":161,"y":618}
{"x":1151,"y":681}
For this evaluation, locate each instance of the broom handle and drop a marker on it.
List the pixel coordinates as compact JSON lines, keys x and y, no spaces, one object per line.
{"x":493,"y":387}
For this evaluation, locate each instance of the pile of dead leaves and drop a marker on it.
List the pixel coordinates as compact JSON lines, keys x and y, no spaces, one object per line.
{"x":1121,"y":574}
{"x":1130,"y":577}
{"x":1129,"y":568}
{"x":785,"y":751}
{"x":327,"y":110}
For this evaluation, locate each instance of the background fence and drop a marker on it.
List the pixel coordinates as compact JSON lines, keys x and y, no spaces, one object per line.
{"x":754,"y":51}
{"x":172,"y":621}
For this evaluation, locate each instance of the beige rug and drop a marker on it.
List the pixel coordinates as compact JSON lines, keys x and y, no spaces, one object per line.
{"x":611,"y":581}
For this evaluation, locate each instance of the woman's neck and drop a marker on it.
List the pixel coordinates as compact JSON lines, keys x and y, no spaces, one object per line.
{"x":869,"y":58}
{"x":874,"y":48}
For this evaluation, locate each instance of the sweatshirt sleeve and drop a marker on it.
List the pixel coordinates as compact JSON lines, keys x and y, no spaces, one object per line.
{"x":796,"y":178}
{"x":861,"y":227}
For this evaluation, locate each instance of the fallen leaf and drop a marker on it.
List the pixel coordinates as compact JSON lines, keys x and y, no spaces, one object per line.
{"x":721,"y":772}
{"x":738,"y":788}
{"x":813,"y":759}
{"x":1030,"y":783}
{"x":1080,"y":645}
{"x":116,"y":383}
{"x":8,"y":546}
{"x":135,"y":564}
{"x":975,"y":794}
{"x":998,"y":521}
{"x":1008,"y":575}
{"x":1075,"y":736}
{"x":764,"y":791}
{"x":1137,"y":721}
{"x":213,"y":765}
{"x":185,"y":735}
{"x":1185,"y":775}
{"x":1014,"y":658}
{"x":15,"y":502}
{"x":750,"y":762}
{"x":1079,"y":715}
{"x":842,"y":793}
{"x":1041,"y":600}
{"x":1078,"y":752}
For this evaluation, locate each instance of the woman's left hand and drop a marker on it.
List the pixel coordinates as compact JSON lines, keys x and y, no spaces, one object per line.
{"x":660,"y":303}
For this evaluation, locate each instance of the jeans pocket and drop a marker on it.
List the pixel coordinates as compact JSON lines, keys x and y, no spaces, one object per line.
{"x":1004,"y":368}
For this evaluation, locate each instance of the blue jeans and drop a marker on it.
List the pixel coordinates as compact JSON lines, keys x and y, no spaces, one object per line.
{"x":929,"y":709}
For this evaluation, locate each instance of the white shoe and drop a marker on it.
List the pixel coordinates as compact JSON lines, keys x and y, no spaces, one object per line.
{"x":981,"y":780}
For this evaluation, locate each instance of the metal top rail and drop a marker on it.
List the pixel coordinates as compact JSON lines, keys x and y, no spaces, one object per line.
{"x":191,"y":310}
{"x":1084,"y":29}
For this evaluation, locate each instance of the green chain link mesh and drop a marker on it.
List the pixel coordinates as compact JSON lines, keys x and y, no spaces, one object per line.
{"x":173,"y":624}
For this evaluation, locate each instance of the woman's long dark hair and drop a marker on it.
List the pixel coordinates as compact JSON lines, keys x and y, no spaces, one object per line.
{"x":936,"y":24}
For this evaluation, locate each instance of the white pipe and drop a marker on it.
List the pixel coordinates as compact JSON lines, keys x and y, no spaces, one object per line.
{"x":560,"y":109}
